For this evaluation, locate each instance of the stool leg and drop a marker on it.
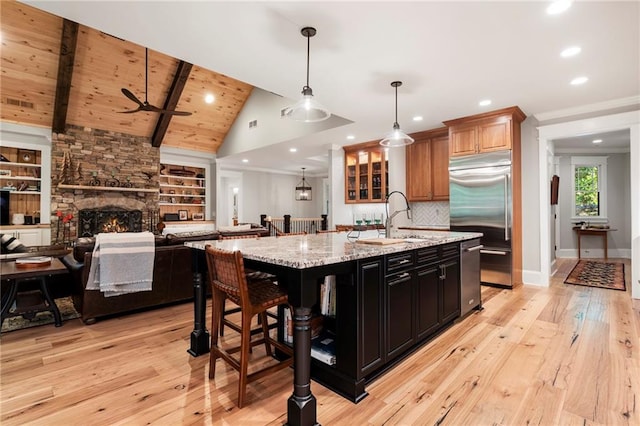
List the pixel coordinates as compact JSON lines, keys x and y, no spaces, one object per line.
{"x":52,"y":305}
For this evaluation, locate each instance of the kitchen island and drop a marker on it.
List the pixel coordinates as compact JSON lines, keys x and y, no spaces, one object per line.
{"x":390,"y":298}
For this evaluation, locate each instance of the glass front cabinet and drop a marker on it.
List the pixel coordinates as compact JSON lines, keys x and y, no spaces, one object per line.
{"x":366,"y":173}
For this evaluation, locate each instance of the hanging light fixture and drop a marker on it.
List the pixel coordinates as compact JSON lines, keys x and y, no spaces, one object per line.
{"x":307,"y":109}
{"x":396,"y":137}
{"x":303,"y":189}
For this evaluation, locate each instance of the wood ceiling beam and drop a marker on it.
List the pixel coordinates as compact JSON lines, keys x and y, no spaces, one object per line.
{"x":66,"y":61}
{"x":177,"y":86}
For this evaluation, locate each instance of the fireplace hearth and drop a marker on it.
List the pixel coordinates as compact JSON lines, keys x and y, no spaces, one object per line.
{"x":108,"y":219}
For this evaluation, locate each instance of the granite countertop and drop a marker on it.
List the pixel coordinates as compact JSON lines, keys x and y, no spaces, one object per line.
{"x":306,"y":251}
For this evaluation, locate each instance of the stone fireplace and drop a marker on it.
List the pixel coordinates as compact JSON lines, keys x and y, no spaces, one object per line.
{"x":85,"y":163}
{"x":108,"y":219}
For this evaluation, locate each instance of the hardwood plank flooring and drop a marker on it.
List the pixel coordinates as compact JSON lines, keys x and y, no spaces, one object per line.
{"x":558,"y":356}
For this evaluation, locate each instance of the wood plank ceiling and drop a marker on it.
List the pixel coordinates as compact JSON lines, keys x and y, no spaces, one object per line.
{"x":102,"y":65}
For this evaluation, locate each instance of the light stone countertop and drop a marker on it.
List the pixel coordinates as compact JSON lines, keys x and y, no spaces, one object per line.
{"x":306,"y":251}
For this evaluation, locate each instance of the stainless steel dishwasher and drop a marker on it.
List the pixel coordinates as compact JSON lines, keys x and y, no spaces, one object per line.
{"x":470,"y":276}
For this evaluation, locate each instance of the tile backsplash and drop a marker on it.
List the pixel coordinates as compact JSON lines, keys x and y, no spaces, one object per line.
{"x":431,"y":213}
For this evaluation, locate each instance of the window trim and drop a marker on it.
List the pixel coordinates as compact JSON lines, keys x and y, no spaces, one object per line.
{"x":588,"y":161}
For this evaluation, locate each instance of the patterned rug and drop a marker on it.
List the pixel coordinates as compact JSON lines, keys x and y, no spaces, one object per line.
{"x":598,"y":274}
{"x":67,"y":311}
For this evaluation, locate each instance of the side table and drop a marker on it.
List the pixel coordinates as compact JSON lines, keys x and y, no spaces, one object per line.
{"x":19,"y":276}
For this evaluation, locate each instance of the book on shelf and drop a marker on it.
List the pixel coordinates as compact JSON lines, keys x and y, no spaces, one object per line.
{"x":324,"y":348}
{"x":328,"y":296}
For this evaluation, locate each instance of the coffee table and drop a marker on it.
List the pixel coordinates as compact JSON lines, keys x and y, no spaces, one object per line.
{"x":19,"y":276}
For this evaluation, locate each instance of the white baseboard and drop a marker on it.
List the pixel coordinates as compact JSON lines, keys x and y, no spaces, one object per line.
{"x":594,"y":253}
{"x":534,"y":278}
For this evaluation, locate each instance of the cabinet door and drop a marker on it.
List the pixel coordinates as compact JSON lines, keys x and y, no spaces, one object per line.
{"x":378,"y":172}
{"x":399,"y":315}
{"x":29,"y":237}
{"x":450,"y":290}
{"x":371,"y":318}
{"x":440,"y":168}
{"x":494,"y":136}
{"x":418,"y":157}
{"x":427,"y":300}
{"x":351,"y":178}
{"x":463,"y":140}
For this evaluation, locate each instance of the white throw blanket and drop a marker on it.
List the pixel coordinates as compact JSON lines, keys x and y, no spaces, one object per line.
{"x":122,"y":263}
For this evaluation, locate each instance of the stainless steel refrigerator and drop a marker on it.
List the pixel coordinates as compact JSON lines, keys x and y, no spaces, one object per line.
{"x":480,"y":201}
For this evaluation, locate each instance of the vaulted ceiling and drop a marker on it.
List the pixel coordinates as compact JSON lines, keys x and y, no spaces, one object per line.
{"x":32,"y":42}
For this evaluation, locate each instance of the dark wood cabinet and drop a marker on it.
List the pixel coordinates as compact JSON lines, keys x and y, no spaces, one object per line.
{"x":385,"y":309}
{"x":399,"y":314}
{"x":371,"y":311}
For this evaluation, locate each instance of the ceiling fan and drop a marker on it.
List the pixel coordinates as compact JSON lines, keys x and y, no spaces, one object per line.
{"x":146,"y":106}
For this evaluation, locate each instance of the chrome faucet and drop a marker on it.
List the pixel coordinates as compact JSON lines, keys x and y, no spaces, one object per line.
{"x":389,"y":222}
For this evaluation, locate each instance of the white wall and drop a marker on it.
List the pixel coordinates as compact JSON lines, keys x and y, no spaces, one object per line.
{"x":265,"y":107}
{"x":618,"y":210}
{"x":530,"y":202}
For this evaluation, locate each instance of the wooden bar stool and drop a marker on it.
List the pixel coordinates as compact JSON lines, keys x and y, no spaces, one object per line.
{"x":228,"y":280}
{"x":252,"y":276}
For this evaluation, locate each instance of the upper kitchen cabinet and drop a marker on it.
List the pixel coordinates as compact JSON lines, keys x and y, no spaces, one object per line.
{"x":428,"y":166}
{"x":366,"y":173}
{"x":491,"y":131}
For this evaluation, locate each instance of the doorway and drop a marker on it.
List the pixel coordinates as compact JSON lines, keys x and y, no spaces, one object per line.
{"x":624,"y":121}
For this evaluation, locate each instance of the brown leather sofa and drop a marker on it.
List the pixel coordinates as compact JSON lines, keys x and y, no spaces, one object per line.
{"x":172,"y":276}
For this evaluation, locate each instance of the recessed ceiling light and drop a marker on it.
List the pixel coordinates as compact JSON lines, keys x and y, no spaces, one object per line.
{"x":351,"y":137}
{"x":244,"y":160}
{"x":570,"y":51}
{"x":209,"y":98}
{"x":558,"y":6}
{"x":485,"y":102}
{"x":417,"y":118}
{"x":597,"y":141}
{"x":293,"y":149}
{"x":579,"y":80}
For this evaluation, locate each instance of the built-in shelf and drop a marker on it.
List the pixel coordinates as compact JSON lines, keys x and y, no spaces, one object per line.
{"x":107,"y":188}
{"x":13,"y":191}
{"x":182,"y":204}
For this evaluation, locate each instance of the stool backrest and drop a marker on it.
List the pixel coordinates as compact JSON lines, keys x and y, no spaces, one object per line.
{"x":227,"y":274}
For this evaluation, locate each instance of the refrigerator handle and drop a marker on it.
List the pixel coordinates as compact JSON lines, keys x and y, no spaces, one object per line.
{"x":506,"y":208}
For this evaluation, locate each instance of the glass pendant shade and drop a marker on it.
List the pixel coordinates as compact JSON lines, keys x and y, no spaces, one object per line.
{"x":307,"y":109}
{"x":396,"y":137}
{"x":303,"y":190}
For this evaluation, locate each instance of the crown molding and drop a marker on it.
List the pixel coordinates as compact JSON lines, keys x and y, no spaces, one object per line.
{"x":586,"y":109}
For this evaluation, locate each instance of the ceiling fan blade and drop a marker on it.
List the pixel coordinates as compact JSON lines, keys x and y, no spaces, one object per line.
{"x":131,"y":96}
{"x":129,"y":112}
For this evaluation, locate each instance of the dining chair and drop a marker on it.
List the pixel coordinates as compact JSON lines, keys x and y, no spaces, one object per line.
{"x":229,"y":281}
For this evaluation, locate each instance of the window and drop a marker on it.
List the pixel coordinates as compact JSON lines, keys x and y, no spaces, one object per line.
{"x":589,"y":188}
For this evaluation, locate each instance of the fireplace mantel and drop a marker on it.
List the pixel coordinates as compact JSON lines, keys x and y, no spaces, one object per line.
{"x":107,"y":188}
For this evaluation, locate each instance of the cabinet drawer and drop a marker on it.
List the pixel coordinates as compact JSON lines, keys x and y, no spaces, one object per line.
{"x":427,"y":255}
{"x":451,"y":250}
{"x":399,"y":262}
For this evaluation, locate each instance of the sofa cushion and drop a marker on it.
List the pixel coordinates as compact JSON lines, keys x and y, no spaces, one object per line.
{"x":182,"y":237}
{"x":237,"y":228}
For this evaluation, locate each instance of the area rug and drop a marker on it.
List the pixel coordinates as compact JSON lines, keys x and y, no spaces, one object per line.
{"x":598,"y":274}
{"x":67,"y":311}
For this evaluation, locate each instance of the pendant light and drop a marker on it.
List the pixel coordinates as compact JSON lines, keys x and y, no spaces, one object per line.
{"x":307,"y":109}
{"x":303,"y":189}
{"x":396,"y":137}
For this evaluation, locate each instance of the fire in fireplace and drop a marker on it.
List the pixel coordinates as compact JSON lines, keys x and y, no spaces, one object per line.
{"x":108,"y":219}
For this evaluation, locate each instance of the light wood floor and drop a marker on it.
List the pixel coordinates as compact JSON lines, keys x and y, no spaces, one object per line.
{"x":565,"y":355}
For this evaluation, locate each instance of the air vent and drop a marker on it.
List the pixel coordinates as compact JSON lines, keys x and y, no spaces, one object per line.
{"x":253,"y":123}
{"x":18,"y":102}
